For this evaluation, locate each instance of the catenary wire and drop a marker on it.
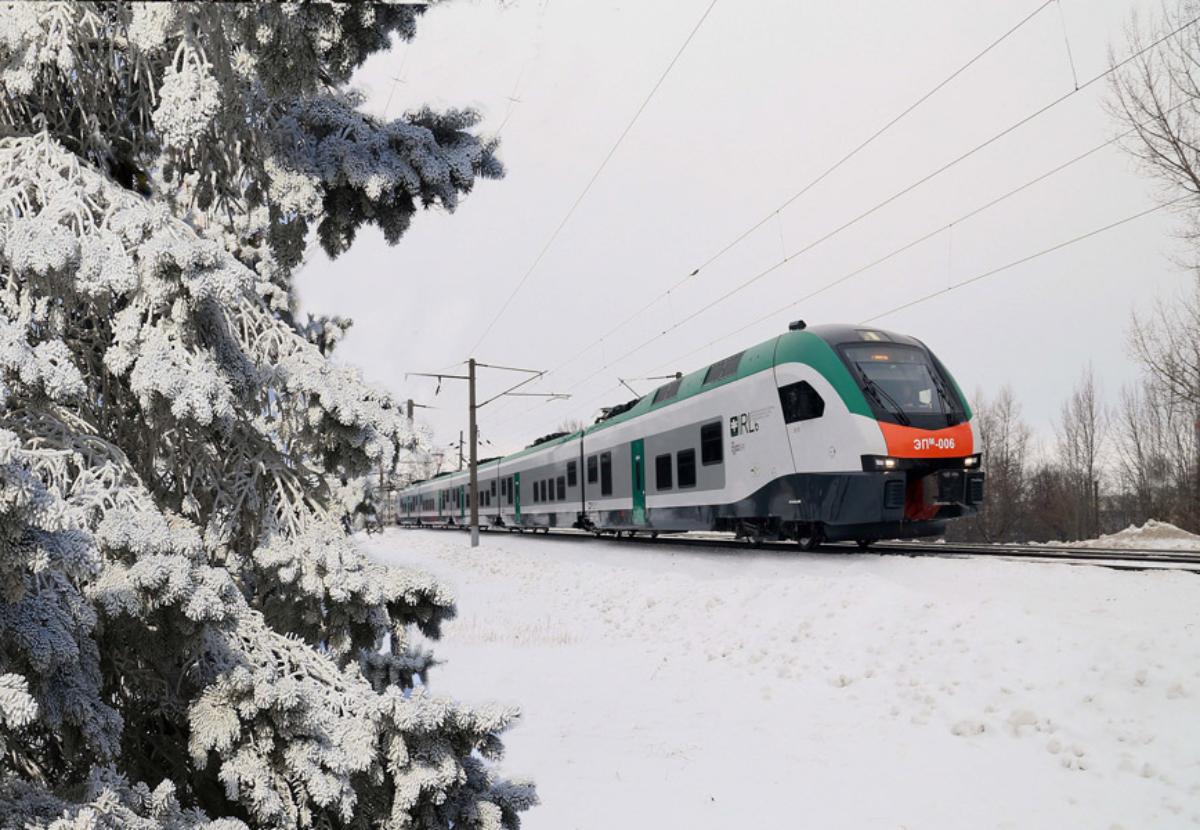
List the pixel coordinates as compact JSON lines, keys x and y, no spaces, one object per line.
{"x":791,"y":199}
{"x":994,"y":271}
{"x":914,"y":242}
{"x":828,"y":171}
{"x":898,"y":194}
{"x":1056,"y":102}
{"x":592,"y":180}
{"x":1028,"y":258}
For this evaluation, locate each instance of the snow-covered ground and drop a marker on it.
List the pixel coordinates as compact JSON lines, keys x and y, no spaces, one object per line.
{"x":1153,"y":535}
{"x":664,"y":688}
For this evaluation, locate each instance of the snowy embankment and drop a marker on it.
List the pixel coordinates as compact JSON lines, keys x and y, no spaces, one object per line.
{"x":1153,"y":535}
{"x":715,"y":689}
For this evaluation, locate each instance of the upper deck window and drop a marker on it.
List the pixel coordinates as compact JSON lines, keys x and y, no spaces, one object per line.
{"x":724,"y":368}
{"x":667,"y":391}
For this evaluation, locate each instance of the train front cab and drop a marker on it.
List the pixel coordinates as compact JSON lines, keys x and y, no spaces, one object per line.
{"x":897,"y":411}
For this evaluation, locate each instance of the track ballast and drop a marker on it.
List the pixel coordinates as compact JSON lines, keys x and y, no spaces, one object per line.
{"x":1135,"y":559}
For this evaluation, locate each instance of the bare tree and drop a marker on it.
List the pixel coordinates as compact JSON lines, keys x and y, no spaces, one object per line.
{"x":1156,"y":448}
{"x":1004,"y":440}
{"x":1158,"y":97}
{"x":1081,"y":432}
{"x":570,"y":426}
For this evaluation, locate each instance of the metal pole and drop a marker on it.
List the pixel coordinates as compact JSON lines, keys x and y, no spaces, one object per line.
{"x":474,"y":459}
{"x":409,"y":410}
{"x":460,"y":449}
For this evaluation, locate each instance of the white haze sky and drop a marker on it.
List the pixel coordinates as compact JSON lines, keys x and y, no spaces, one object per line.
{"x":768,"y":95}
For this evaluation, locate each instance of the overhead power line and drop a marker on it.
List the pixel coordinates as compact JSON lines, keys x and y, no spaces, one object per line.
{"x":1006,"y":131}
{"x":898,"y":194}
{"x":827,"y":172}
{"x":990,"y":272}
{"x":1009,"y":265}
{"x":912,"y":243}
{"x":863,"y":145}
{"x":591,"y":181}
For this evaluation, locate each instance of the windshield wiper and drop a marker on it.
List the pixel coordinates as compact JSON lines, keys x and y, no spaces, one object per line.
{"x":880,"y":394}
{"x":950,"y":408}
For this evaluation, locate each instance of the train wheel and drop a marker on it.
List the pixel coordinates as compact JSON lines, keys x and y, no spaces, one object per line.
{"x":865,"y":544}
{"x":810,"y":538}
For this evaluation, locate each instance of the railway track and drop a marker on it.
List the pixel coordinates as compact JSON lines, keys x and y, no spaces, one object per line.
{"x":1131,"y":559}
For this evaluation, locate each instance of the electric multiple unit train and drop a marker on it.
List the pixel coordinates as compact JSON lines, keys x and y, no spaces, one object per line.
{"x":829,"y":433}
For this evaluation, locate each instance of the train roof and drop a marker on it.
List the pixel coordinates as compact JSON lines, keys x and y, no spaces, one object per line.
{"x":808,"y":345}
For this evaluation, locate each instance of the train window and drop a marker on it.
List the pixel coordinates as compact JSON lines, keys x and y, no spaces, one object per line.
{"x":662,"y":472}
{"x":606,"y":473}
{"x":562,"y":488}
{"x":711,"y":444}
{"x":591,"y":469}
{"x":492,"y":491}
{"x":685,"y":461}
{"x":800,"y":402}
{"x":722,"y":369}
{"x":542,"y":489}
{"x":572,"y":475}
{"x":510,"y":491}
{"x":667,"y":391}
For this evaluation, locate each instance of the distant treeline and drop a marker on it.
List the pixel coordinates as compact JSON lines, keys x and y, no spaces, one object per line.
{"x":1110,"y":463}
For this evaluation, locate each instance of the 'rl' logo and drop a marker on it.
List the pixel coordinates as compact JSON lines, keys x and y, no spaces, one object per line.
{"x":742,"y":425}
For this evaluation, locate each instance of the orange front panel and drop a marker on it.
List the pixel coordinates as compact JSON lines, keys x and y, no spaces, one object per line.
{"x":910,"y":442}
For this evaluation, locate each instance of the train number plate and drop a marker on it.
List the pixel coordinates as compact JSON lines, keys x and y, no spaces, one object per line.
{"x":942,"y":443}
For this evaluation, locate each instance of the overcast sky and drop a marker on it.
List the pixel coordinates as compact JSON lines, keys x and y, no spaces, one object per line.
{"x":766,"y":97}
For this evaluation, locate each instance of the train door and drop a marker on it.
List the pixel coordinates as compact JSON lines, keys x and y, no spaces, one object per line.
{"x":462,"y":503}
{"x":516,"y":490}
{"x":637,"y":453}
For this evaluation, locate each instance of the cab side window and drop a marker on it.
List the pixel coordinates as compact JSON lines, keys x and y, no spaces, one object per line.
{"x":800,"y":402}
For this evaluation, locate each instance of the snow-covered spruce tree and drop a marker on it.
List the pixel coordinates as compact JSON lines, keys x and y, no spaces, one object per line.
{"x":188,"y":637}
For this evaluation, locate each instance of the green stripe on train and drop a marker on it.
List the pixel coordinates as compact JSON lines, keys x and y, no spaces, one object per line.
{"x":793,"y":347}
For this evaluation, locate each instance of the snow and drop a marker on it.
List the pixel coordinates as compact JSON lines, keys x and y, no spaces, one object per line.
{"x":1153,"y":535}
{"x":709,"y":688}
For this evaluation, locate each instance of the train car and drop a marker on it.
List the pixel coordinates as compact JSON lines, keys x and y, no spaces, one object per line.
{"x":830,"y":433}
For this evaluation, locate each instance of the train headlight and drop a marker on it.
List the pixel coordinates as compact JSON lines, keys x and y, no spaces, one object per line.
{"x":875,"y":463}
{"x":971,"y":461}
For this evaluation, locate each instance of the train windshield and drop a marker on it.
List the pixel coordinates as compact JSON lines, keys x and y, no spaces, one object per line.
{"x":904,"y":385}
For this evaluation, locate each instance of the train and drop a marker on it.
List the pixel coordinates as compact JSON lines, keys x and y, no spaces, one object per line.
{"x":833,"y":433}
